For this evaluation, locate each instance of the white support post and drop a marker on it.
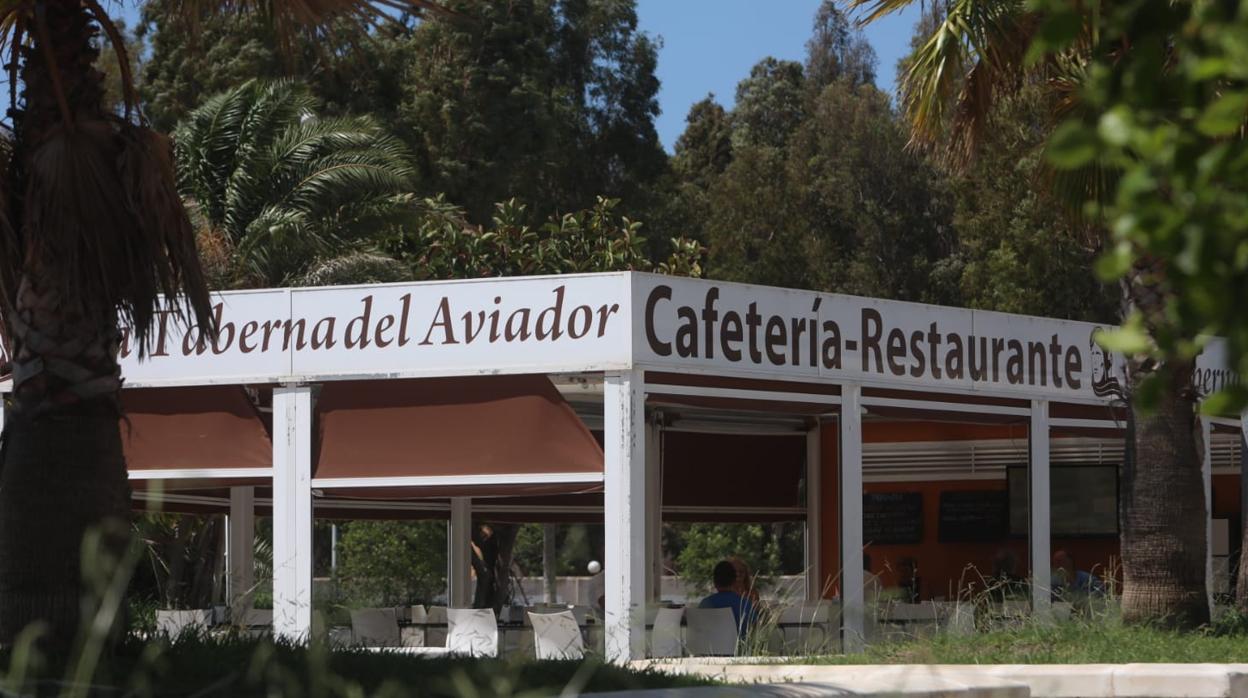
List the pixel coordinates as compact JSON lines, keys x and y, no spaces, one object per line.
{"x":241,"y":550}
{"x":853,"y":609}
{"x":1039,"y":504}
{"x":459,"y":550}
{"x":1206,"y":472}
{"x":550,"y":560}
{"x":654,"y":507}
{"x":624,"y":513}
{"x":292,"y":512}
{"x":814,"y":514}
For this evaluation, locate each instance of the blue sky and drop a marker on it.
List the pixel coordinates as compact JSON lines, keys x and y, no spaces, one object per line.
{"x":709,"y":45}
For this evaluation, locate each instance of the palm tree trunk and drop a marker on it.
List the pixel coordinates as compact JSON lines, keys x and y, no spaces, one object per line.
{"x":63,"y":470}
{"x":1163,"y":508}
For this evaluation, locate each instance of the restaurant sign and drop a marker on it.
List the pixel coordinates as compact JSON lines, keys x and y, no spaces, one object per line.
{"x":591,"y":322}
{"x":538,"y":324}
{"x":803,"y":334}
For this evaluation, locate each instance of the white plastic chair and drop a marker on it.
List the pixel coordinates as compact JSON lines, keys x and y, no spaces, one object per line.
{"x":435,"y":630}
{"x":712,"y":632}
{"x":472,"y":631}
{"x":255,"y":617}
{"x":375,"y":627}
{"x":414,"y":634}
{"x":557,"y":635}
{"x":806,"y":628}
{"x":173,"y":623}
{"x":665,"y":635}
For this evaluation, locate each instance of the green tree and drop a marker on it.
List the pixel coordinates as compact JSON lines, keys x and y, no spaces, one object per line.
{"x":281,"y":187}
{"x":193,"y":57}
{"x":1018,"y":250}
{"x":977,"y":54}
{"x":392,"y":563}
{"x":1164,"y":107}
{"x":771,"y":104}
{"x":92,"y":234}
{"x":548,"y":101}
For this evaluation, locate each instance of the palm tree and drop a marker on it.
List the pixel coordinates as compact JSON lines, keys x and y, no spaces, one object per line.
{"x":282,"y":187}
{"x":972,"y":55}
{"x":92,"y":231}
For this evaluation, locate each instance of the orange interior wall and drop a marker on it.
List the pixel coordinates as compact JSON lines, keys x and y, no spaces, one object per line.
{"x":944,"y":567}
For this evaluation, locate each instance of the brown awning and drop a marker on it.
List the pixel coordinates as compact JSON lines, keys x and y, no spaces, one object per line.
{"x":478,"y":436}
{"x":731,"y":477}
{"x":200,"y":434}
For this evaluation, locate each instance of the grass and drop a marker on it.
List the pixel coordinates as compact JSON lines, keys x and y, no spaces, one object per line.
{"x":210,"y":667}
{"x":1087,"y":642}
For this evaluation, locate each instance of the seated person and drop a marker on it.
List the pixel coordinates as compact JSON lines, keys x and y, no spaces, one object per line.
{"x":725,"y":576}
{"x":1069,"y":583}
{"x":744,"y":585}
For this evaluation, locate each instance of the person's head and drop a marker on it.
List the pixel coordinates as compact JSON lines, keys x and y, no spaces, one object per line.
{"x":742,"y":582}
{"x":1063,"y":561}
{"x":724,"y":576}
{"x":1004,"y":563}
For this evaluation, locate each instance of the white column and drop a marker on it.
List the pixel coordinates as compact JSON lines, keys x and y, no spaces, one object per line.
{"x":654,"y":508}
{"x":850,"y":492}
{"x":1038,"y":508}
{"x":624,"y":513}
{"x":292,"y":512}
{"x":550,"y":560}
{"x":1206,"y":472}
{"x":814,"y":514}
{"x":241,"y":547}
{"x":459,"y":548}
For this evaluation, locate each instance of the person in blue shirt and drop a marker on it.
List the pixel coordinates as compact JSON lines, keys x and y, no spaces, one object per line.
{"x":725,"y":576}
{"x":1071,"y":583}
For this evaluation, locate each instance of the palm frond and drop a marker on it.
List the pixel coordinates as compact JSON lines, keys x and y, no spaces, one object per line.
{"x":975,"y":53}
{"x":287,"y":187}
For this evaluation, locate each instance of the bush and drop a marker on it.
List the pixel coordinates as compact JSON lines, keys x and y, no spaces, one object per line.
{"x":391,"y":563}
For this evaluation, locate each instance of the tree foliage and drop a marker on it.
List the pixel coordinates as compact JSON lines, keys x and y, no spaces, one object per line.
{"x":1167,"y":115}
{"x":806,"y":182}
{"x":548,"y":101}
{"x":392,"y":563}
{"x":282,"y":187}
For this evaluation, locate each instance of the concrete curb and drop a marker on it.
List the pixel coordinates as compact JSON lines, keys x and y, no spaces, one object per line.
{"x":1040,"y":680}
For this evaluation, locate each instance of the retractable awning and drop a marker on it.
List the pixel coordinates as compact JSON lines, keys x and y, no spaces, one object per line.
{"x":194,"y":437}
{"x":478,"y":436}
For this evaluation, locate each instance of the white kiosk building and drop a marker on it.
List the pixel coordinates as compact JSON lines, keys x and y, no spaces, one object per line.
{"x":455,"y":397}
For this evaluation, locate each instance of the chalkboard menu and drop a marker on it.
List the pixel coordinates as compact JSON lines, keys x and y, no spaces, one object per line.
{"x":892,"y":518}
{"x":972,"y":516}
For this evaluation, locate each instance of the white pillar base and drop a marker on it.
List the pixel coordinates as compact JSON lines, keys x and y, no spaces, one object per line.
{"x":292,"y":513}
{"x":624,"y":511}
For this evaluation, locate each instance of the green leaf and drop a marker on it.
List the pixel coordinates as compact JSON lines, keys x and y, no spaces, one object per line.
{"x":1225,"y":403}
{"x":1224,"y":116}
{"x":1057,"y":31}
{"x":1115,"y":126}
{"x":1115,"y":263}
{"x":1128,"y":339}
{"x":1072,"y":146}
